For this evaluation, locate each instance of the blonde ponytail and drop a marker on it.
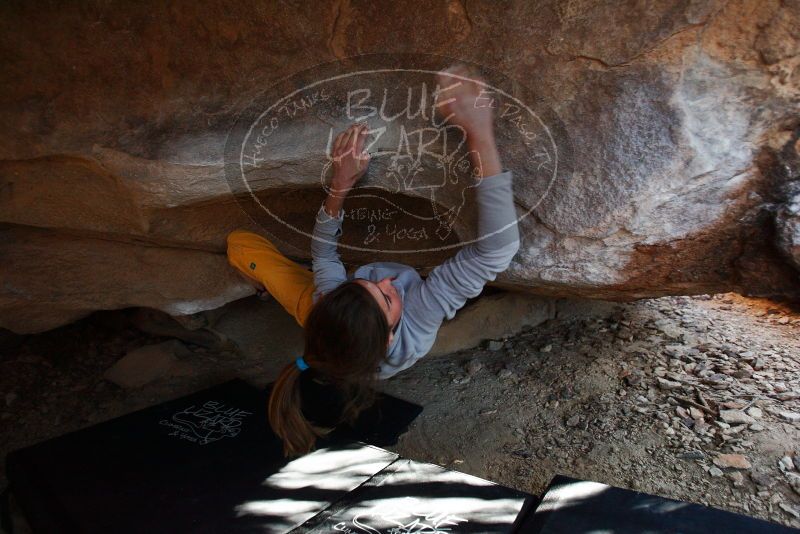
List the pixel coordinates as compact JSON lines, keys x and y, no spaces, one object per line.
{"x":286,"y":415}
{"x":346,"y":334}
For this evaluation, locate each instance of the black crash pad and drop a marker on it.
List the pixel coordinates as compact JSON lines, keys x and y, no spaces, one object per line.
{"x":200,"y":463}
{"x":571,"y":506}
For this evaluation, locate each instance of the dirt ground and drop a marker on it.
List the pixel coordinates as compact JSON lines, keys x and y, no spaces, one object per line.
{"x":693,"y":398}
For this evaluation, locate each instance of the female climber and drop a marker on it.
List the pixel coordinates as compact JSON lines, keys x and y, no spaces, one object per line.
{"x":384,"y":317}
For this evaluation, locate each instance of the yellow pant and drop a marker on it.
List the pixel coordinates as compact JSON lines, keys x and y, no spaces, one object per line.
{"x":258,"y":259}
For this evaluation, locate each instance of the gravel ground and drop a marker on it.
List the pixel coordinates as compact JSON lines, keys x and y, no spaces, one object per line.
{"x":633,"y":401}
{"x":692,"y":398}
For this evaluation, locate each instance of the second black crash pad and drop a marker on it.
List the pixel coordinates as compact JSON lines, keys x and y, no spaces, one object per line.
{"x":409,"y":497}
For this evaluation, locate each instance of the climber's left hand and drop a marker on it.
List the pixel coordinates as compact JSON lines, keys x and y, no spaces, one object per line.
{"x":349,"y":159}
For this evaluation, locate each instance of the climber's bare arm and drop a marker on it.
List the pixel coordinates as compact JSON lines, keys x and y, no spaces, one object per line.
{"x":464,"y":103}
{"x":349,"y":165}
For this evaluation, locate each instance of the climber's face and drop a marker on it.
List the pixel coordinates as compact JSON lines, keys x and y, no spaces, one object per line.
{"x":387,"y":297}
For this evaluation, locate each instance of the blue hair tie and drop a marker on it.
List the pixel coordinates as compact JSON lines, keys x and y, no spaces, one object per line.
{"x":301,"y":364}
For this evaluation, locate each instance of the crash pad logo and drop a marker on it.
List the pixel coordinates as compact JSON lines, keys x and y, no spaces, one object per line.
{"x":207,"y":423}
{"x":403,"y":516}
{"x":415,"y":195}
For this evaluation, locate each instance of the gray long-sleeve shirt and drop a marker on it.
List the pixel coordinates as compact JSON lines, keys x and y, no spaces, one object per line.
{"x":426,"y":303}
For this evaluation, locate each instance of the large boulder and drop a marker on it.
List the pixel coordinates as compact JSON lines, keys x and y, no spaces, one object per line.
{"x":787,"y":217}
{"x":670,"y":123}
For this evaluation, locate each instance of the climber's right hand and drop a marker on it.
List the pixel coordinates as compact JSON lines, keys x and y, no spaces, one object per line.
{"x":463,"y":100}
